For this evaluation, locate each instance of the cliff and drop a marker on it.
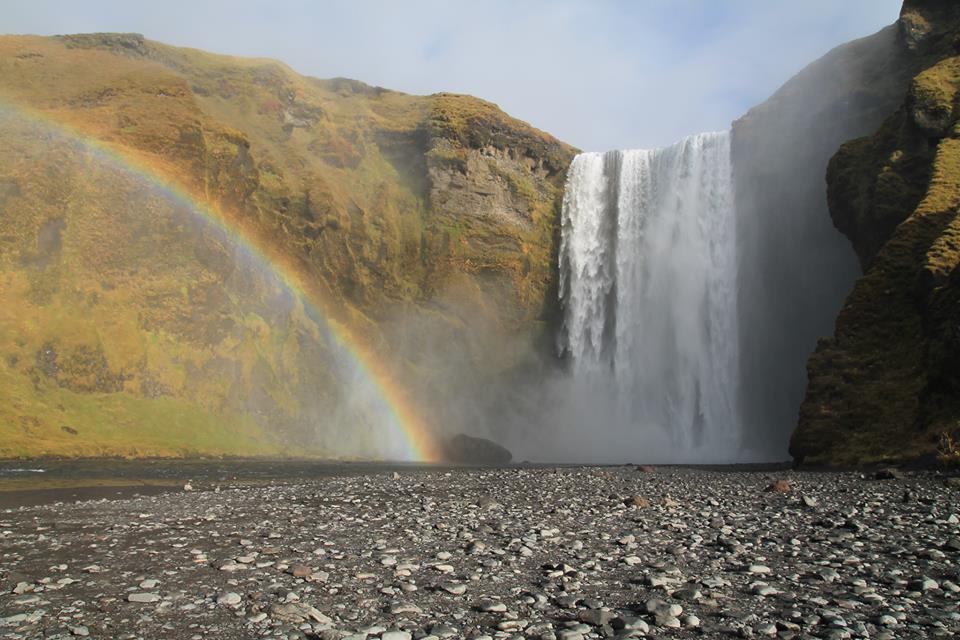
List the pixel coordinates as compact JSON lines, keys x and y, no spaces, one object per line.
{"x":795,"y":269}
{"x":131,"y":325}
{"x":886,"y":385}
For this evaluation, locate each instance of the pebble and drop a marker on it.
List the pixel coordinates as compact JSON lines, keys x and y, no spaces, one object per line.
{"x":144,"y":598}
{"x":455,"y":588}
{"x":300,"y":571}
{"x":405,"y":608}
{"x":596,"y":617}
{"x":492,"y":606}
{"x":562,"y":554}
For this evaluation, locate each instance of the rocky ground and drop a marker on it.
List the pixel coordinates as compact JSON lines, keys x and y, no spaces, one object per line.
{"x":569,"y":553}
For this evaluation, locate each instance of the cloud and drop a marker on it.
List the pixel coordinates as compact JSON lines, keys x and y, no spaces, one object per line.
{"x":604,"y":74}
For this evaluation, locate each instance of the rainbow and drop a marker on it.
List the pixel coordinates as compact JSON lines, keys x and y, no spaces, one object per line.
{"x":413,"y":433}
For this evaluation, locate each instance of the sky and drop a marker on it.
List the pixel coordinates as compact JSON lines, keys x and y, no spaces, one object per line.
{"x":599,"y":74}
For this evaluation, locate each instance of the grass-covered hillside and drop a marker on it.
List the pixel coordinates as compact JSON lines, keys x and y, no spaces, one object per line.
{"x":131,"y":326}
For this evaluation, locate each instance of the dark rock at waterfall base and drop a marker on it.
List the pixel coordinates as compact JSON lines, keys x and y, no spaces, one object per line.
{"x":464,"y":449}
{"x":889,"y":473}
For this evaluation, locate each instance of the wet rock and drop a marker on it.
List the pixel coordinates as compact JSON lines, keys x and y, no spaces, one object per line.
{"x":464,"y":449}
{"x":889,"y":473}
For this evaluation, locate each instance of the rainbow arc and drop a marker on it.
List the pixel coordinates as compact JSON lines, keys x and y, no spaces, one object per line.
{"x":404,"y":422}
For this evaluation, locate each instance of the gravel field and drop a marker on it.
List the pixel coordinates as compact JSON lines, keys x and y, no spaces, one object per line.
{"x":566,"y":553}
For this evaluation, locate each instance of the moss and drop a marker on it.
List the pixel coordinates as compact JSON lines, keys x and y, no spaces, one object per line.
{"x":935,"y":89}
{"x":521,"y":185}
{"x":523,"y":188}
{"x":447,"y":156}
{"x":152,"y":311}
{"x":873,"y":183}
{"x":118,"y":425}
{"x":474,"y":123}
{"x":886,"y":385}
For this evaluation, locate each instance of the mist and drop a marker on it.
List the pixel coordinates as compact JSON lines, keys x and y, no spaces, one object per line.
{"x":695,"y":334}
{"x":791,"y":272}
{"x":696,"y":348}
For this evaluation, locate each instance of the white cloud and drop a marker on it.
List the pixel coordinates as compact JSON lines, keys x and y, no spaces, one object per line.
{"x":598,"y":74}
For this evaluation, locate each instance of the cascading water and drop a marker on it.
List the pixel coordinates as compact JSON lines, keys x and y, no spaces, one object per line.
{"x":648,"y":285}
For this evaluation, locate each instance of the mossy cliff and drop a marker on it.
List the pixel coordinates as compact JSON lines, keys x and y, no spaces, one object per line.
{"x":131,"y":326}
{"x":886,"y":386}
{"x":795,"y":269}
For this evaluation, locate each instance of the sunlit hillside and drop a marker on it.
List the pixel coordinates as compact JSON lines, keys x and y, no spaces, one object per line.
{"x":157,"y":203}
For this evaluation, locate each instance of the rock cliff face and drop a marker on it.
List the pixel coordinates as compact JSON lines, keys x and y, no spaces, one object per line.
{"x":795,"y":269}
{"x":129,"y":325}
{"x":886,"y":386}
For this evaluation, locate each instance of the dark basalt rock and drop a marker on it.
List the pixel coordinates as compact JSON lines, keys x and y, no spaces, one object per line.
{"x":464,"y":449}
{"x":884,"y":387}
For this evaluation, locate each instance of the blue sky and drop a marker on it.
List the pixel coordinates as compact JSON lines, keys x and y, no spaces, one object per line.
{"x":599,"y":74}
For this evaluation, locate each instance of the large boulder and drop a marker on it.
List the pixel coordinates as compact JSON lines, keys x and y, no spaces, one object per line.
{"x":464,"y":449}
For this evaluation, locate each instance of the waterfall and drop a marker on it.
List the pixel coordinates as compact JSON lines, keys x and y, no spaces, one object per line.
{"x":648,"y":285}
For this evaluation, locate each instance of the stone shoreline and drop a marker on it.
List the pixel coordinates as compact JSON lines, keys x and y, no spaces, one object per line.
{"x":570,"y":553}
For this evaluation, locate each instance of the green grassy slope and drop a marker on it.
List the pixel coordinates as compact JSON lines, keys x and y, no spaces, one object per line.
{"x":130,"y":327}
